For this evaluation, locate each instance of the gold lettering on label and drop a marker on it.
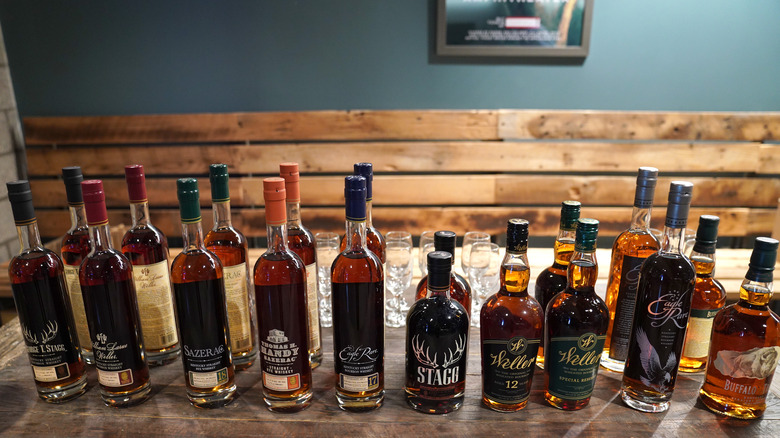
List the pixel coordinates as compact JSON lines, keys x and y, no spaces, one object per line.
{"x":571,"y":357}
{"x":518,"y":363}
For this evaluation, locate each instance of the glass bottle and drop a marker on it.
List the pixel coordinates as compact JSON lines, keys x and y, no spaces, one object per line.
{"x":510,"y":329}
{"x":744,"y":350}
{"x":374,"y":239}
{"x":629,"y":251}
{"x":201,"y":309}
{"x":43,"y":307}
{"x":147,"y":249}
{"x":552,"y":280}
{"x":575,"y":323}
{"x":358,"y":311}
{"x":280,"y":289}
{"x":230,"y":246}
{"x":437,"y":340}
{"x":460,"y":290}
{"x":709,"y":297}
{"x":663,"y":306}
{"x":106,"y":278}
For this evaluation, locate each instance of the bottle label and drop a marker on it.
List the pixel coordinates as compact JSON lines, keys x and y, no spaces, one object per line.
{"x":573,"y":365}
{"x":280,"y":357}
{"x":697,"y":341}
{"x":236,"y":295}
{"x":624,"y":308}
{"x":52,"y":373}
{"x":77,"y":305}
{"x":756,"y":363}
{"x":209,"y":379}
{"x":155,"y":305}
{"x":438,"y":365}
{"x":115,"y":379}
{"x":507,"y":368}
{"x":313,"y":307}
{"x":281,"y":383}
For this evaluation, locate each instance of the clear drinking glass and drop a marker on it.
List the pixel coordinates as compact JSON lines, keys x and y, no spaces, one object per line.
{"x":327,"y":249}
{"x":426,"y":246}
{"x":403,"y":236}
{"x":398,"y":278}
{"x":465,"y":252}
{"x":484,"y":271}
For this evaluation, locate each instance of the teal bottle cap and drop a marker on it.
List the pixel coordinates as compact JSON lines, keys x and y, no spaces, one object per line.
{"x":762,"y":260}
{"x":218,"y":177}
{"x":189,"y":200}
{"x":706,"y":234}
{"x":587,"y":232}
{"x":570,"y":212}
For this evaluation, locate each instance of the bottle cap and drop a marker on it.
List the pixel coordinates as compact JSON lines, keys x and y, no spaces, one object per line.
{"x":706,"y":234}
{"x":366,"y":170}
{"x":646,"y":180}
{"x":20,"y":197}
{"x":275,"y":199}
{"x":136,"y":183}
{"x":72,"y":177}
{"x":680,"y":193}
{"x":219,"y":178}
{"x":94,"y":202}
{"x":587,"y":232}
{"x":439,"y":268}
{"x":355,"y":197}
{"x":291,"y":175}
{"x":762,"y":260}
{"x":570,"y":212}
{"x":444,"y":241}
{"x":517,"y":236}
{"x":189,"y":200}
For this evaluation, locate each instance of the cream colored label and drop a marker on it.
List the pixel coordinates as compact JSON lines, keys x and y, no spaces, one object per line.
{"x":155,"y":304}
{"x":52,"y":373}
{"x":208,"y":380}
{"x":115,"y":379}
{"x":77,"y":305}
{"x":358,"y":383}
{"x":697,"y":342}
{"x":238,"y":307}
{"x":281,"y":383}
{"x":314,"y":312}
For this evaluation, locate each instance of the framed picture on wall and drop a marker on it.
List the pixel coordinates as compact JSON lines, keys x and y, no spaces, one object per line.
{"x":525,"y":28}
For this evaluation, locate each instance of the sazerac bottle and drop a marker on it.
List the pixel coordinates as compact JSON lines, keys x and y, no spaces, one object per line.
{"x":460,"y":290}
{"x":374,"y":239}
{"x":709,"y":297}
{"x":629,"y":251}
{"x":437,"y":339}
{"x":358,"y":311}
{"x":201,"y":309}
{"x":301,"y":242}
{"x":280,"y":288}
{"x":43,"y":307}
{"x":510,"y":329}
{"x":552,"y":280}
{"x":576,"y":325}
{"x":663,"y":305}
{"x":230,"y":245}
{"x":74,"y":248}
{"x":744,"y":350}
{"x":147,"y":249}
{"x":106,"y":278}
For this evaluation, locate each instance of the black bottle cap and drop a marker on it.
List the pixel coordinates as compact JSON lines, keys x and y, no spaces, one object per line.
{"x":73,"y":177}
{"x":20,"y":196}
{"x":706,"y":234}
{"x":645,"y":187}
{"x":355,"y":197}
{"x":762,"y":260}
{"x":439,"y":268}
{"x":680,"y":193}
{"x":517,"y":236}
{"x":444,"y":241}
{"x":366,"y":170}
{"x":587,"y":232}
{"x":570,"y":212}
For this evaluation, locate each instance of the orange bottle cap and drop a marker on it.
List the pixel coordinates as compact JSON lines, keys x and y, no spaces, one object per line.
{"x":275,"y":196}
{"x":291,"y":175}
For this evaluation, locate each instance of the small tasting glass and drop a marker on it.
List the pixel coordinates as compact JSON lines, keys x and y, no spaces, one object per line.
{"x":327,"y":250}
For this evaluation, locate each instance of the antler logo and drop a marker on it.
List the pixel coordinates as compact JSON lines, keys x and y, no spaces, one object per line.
{"x":49,"y":333}
{"x":451,"y":357}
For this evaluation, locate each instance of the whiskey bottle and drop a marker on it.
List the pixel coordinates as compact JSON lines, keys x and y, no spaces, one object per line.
{"x":629,"y":251}
{"x":511,"y":329}
{"x":663,"y":306}
{"x":230,"y":246}
{"x":106,"y":278}
{"x":744,"y":350}
{"x":74,"y":248}
{"x":552,"y":280}
{"x":147,"y":249}
{"x":358,"y":311}
{"x":374,"y":239}
{"x":201,"y":309}
{"x":575,"y":324}
{"x":460,"y":290}
{"x":43,"y":307}
{"x":280,"y":287}
{"x":301,"y":242}
{"x":709,"y":297}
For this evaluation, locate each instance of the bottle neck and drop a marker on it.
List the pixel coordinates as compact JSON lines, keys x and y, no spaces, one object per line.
{"x":356,"y":235}
{"x":222,"y":215}
{"x":441,"y":291}
{"x":583,"y":271}
{"x":78,"y":218}
{"x":277,"y":238}
{"x":100,"y":237}
{"x":564,"y":247}
{"x":515,"y":274}
{"x":369,"y":208}
{"x":672,"y":240}
{"x":139,"y":213}
{"x":29,"y":237}
{"x":704,"y":263}
{"x":294,"y":215}
{"x":640,"y":219}
{"x":192,"y":236}
{"x":755,"y":293}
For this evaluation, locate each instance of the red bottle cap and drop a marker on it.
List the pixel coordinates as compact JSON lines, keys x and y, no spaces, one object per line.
{"x":136,"y":183}
{"x":94,"y":202}
{"x":274,"y":194}
{"x":289,"y":171}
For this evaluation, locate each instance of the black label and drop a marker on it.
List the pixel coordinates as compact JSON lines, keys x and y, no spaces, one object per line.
{"x":624,"y":308}
{"x":508,"y":368}
{"x":203,"y":327}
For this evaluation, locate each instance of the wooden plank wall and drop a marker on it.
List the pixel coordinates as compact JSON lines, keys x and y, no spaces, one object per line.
{"x":459,"y":170}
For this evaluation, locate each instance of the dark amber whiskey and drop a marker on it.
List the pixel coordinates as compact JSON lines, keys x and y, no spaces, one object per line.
{"x":375,"y":241}
{"x":460,"y":290}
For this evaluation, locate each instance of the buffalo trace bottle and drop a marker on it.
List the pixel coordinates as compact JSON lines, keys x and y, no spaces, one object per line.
{"x":43,"y":306}
{"x":575,"y":323}
{"x":280,"y":289}
{"x":460,"y":290}
{"x":358,"y":311}
{"x":511,"y":329}
{"x":744,"y":349}
{"x":201,"y":309}
{"x":552,"y":280}
{"x":437,"y":339}
{"x":663,"y":305}
{"x":106,"y":278}
{"x":74,"y":248}
{"x":709,"y":297}
{"x":147,"y":249}
{"x":230,"y":246}
{"x":374,"y":239}
{"x":301,"y":242}
{"x":629,"y":251}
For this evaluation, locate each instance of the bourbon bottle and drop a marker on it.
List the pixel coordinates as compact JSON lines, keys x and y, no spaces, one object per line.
{"x":230,"y":246}
{"x":201,"y":309}
{"x":744,"y":350}
{"x":374,"y":239}
{"x":510,"y":329}
{"x":280,"y":287}
{"x":629,"y":251}
{"x":460,"y":290}
{"x":43,"y":307}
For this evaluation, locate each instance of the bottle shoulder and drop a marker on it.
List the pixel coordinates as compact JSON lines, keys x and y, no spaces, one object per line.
{"x":674,"y":266}
{"x":568,"y":303}
{"x":436,"y":312}
{"x":34,"y":264}
{"x":357,"y":267}
{"x":279,"y":267}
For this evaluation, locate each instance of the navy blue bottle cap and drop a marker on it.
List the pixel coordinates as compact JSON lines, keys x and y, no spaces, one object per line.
{"x":20,"y":197}
{"x":762,"y":260}
{"x":517,"y":235}
{"x":73,"y":177}
{"x":444,"y":241}
{"x":355,"y":198}
{"x":439,"y":268}
{"x":366,"y":170}
{"x":706,"y":234}
{"x":680,"y":193}
{"x":570,"y":212}
{"x":646,"y":180}
{"x":587,"y":232}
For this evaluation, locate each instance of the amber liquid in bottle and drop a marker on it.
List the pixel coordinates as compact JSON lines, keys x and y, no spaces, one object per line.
{"x":552,"y":281}
{"x":74,"y":248}
{"x":709,"y":297}
{"x":460,"y":290}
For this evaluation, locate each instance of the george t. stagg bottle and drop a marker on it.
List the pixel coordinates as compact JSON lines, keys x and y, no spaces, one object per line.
{"x":460,"y":290}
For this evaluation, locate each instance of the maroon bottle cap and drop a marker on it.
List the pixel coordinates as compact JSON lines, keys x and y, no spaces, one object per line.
{"x":136,"y":183}
{"x":94,"y":202}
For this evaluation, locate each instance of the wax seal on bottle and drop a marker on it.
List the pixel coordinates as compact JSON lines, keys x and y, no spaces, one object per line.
{"x":136,"y":183}
{"x":646,"y":180}
{"x":72,"y":177}
{"x":275,"y":196}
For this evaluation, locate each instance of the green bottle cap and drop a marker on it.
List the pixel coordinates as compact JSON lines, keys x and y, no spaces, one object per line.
{"x":762,"y":260}
{"x":570,"y":212}
{"x":706,"y":234}
{"x":189,"y":200}
{"x":218,"y":176}
{"x":587,"y":232}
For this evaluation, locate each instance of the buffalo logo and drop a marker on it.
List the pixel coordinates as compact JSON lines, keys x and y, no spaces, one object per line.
{"x":587,"y":341}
